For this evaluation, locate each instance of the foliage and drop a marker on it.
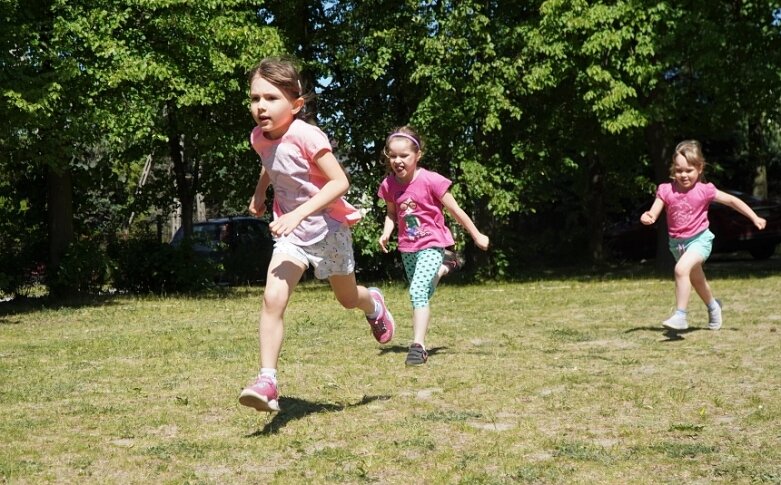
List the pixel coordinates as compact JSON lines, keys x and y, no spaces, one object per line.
{"x":22,"y":226}
{"x":94,"y":88}
{"x":551,"y":116}
{"x":84,"y":269}
{"x":143,"y":265}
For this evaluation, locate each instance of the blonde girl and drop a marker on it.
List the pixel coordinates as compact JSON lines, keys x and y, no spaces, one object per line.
{"x":686,"y":199}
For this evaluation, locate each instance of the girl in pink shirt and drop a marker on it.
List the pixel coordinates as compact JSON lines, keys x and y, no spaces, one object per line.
{"x":686,"y":200}
{"x":414,"y":198}
{"x":311,"y":218}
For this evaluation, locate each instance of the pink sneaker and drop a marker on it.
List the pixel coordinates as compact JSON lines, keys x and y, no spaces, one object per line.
{"x":262,"y":395}
{"x":383,"y":327}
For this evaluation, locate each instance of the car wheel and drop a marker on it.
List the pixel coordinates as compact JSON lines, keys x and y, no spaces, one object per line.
{"x":763,"y":252}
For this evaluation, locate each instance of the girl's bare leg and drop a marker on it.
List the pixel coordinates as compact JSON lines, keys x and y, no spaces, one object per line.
{"x":700,"y":284}
{"x":420,"y":321}
{"x":284,"y":273}
{"x":683,"y":272}
{"x":350,"y":294}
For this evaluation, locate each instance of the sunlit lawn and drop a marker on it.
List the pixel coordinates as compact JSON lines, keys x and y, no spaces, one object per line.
{"x":550,"y":380}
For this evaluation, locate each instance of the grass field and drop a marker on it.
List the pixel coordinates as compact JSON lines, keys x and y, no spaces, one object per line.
{"x":550,"y":380}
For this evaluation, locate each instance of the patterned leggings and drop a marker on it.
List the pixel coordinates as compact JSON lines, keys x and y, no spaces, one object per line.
{"x":421,"y":268}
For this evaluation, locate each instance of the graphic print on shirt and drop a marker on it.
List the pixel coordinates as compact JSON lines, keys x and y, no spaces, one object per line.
{"x":412,"y":228}
{"x":681,"y":213}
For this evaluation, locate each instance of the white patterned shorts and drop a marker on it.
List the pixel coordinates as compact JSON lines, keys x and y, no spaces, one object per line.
{"x":333,"y":256}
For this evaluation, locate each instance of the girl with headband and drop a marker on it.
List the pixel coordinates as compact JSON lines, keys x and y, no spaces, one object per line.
{"x":414,"y":198}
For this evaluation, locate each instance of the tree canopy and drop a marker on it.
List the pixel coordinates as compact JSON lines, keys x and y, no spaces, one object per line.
{"x":550,"y":116}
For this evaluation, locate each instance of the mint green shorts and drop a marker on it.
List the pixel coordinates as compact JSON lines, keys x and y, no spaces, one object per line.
{"x":701,"y":243}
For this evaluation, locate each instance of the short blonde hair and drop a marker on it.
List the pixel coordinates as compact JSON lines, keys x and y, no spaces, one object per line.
{"x":691,"y":150}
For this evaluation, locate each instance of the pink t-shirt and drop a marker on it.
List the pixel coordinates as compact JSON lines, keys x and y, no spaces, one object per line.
{"x":419,"y":216}
{"x":289,"y":163}
{"x":687,"y":212}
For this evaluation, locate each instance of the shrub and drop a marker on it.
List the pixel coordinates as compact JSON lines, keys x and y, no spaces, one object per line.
{"x":148,"y":266}
{"x":84,"y":269}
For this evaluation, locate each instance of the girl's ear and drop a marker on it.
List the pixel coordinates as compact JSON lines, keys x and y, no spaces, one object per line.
{"x":298,"y":105}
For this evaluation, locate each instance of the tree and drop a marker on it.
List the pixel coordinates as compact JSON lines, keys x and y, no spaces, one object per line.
{"x":176,"y":71}
{"x":161,"y":77}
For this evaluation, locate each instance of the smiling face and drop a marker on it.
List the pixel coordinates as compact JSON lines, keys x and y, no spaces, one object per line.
{"x":684,"y":173}
{"x":403,"y":157}
{"x":271,"y":109}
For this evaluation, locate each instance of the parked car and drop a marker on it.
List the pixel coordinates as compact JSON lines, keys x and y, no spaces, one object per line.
{"x":241,"y":245}
{"x":630,"y":239}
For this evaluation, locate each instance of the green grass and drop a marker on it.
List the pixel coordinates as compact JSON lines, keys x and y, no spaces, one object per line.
{"x":549,"y":380}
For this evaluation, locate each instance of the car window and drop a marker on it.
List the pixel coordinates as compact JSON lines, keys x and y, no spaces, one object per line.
{"x":254,"y":230}
{"x":206,"y":233}
{"x":210,"y":234}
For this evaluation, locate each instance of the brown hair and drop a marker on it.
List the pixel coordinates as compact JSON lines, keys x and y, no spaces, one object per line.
{"x":285,"y":75}
{"x":691,"y":150}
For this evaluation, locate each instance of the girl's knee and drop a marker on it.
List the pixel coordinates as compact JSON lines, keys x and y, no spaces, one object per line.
{"x":683,"y":268}
{"x":275,"y":300}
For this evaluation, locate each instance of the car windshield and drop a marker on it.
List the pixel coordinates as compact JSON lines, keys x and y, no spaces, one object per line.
{"x":206,"y":232}
{"x":210,"y":234}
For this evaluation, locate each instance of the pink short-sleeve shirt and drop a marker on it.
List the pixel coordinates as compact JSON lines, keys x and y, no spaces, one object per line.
{"x":687,"y":211}
{"x":419,"y":217}
{"x":289,"y":162}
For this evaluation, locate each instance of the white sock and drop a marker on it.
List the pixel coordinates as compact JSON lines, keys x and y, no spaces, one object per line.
{"x":713,"y":305}
{"x":269,"y":372}
{"x":377,"y":310}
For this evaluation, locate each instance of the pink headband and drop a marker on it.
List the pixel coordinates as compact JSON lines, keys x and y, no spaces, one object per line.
{"x":404,"y":135}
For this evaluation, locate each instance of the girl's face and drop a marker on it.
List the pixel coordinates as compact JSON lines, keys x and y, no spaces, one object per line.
{"x":403,"y":157}
{"x":684,"y":173}
{"x":271,"y":109}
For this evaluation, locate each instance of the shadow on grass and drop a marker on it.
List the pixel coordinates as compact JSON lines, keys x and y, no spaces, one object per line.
{"x":400,"y":349}
{"x":725,"y":265}
{"x":669,"y":334}
{"x":22,"y":304}
{"x":736,"y":265}
{"x":294,"y":408}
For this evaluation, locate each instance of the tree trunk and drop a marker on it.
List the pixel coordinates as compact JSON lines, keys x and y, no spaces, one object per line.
{"x":182,"y":175}
{"x":660,"y":151}
{"x":60,"y":212}
{"x":596,"y":211}
{"x":755,"y":157}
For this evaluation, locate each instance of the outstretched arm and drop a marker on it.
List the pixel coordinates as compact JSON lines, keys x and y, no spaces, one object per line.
{"x":740,"y":206}
{"x":651,"y":215}
{"x":480,"y":239}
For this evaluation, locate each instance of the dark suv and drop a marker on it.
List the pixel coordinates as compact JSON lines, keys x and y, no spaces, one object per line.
{"x":241,"y":246}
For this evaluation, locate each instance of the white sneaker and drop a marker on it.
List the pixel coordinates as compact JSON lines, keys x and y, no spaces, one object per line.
{"x":676,"y":322}
{"x":714,"y":317}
